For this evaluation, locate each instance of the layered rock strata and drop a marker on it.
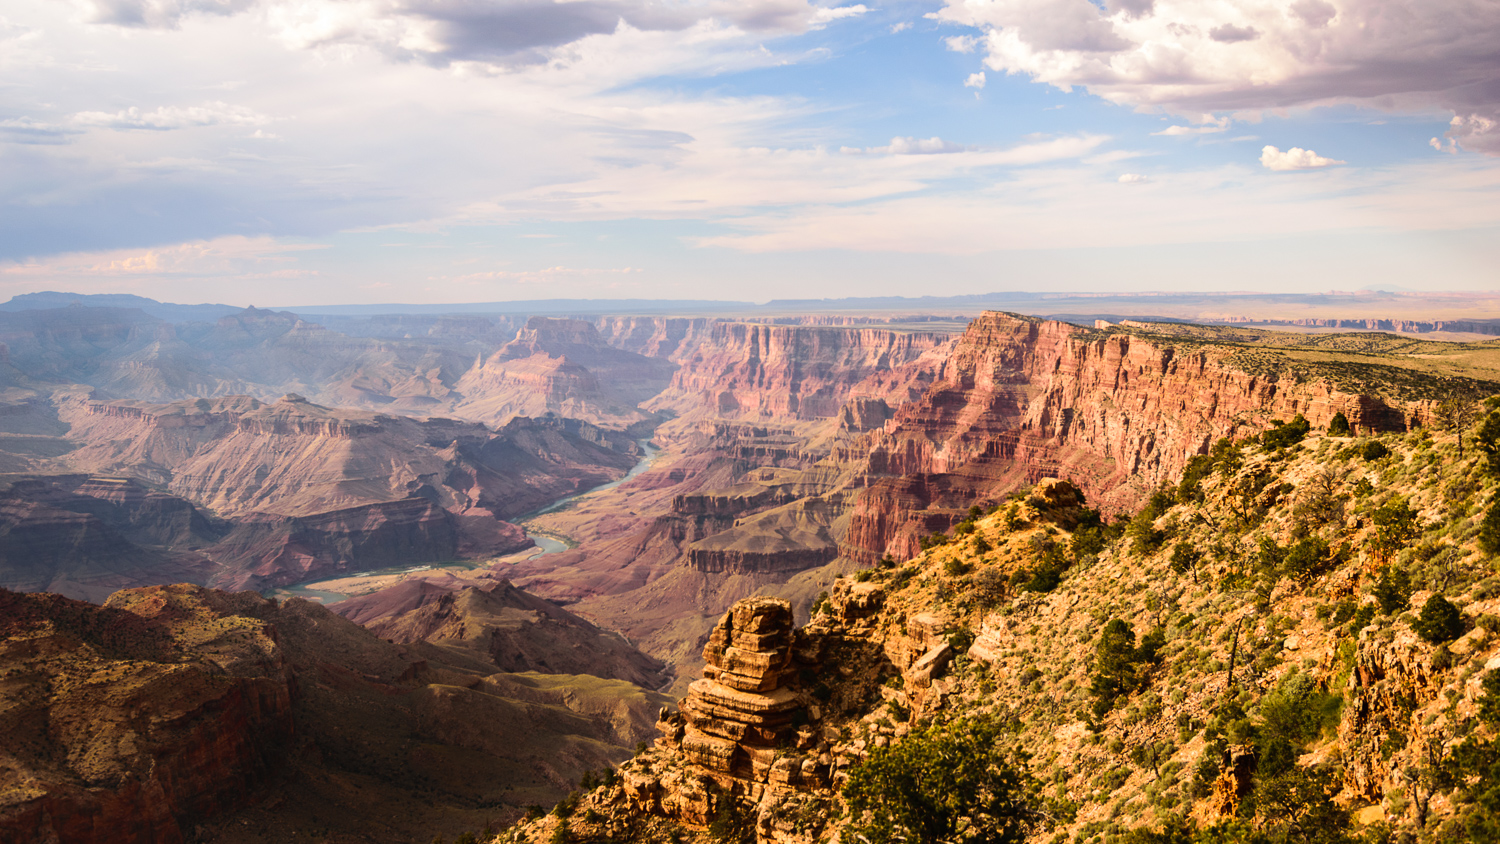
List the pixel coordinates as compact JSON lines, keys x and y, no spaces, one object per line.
{"x":561,"y":366}
{"x":179,"y":713}
{"x":1020,"y":399}
{"x":733,"y":719}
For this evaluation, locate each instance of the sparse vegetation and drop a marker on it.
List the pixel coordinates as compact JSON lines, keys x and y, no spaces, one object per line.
{"x":945,"y":783}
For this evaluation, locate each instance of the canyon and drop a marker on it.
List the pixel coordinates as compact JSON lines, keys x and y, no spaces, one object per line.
{"x":263,"y":449}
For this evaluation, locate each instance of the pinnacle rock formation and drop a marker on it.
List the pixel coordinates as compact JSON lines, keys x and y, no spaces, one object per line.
{"x":742,"y":708}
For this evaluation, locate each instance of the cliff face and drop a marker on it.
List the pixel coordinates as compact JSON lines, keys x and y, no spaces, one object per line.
{"x":742,"y":370}
{"x":293,"y":457}
{"x":261,"y":553}
{"x":217,"y":722}
{"x":316,"y":490}
{"x":1019,"y":399}
{"x":179,"y":713}
{"x":565,"y":367}
{"x":60,"y":543}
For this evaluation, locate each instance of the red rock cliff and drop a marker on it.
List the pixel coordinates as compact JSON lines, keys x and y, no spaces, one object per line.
{"x":789,"y":372}
{"x":1021,"y":398}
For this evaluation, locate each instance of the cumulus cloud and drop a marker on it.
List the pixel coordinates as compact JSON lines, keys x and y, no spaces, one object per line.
{"x":1194,"y":56}
{"x":1295,"y":158}
{"x":900,"y":27}
{"x":172,"y":117}
{"x":975,"y":80}
{"x":1132,"y":179}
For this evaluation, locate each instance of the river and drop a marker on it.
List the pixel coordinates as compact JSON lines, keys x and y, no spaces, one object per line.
{"x":545,"y":544}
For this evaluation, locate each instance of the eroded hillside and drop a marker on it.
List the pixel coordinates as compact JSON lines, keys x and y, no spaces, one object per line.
{"x":1297,"y":641}
{"x":179,"y":713}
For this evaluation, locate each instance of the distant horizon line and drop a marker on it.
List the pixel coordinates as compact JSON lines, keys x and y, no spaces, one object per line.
{"x":49,"y":298}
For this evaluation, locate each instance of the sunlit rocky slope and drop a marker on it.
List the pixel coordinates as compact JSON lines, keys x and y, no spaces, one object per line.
{"x":1296,"y":640}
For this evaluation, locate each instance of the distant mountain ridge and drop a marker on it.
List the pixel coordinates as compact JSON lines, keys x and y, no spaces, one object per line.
{"x":169,"y":311}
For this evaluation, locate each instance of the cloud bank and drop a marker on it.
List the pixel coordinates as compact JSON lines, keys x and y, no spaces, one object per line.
{"x":1227,"y":56}
{"x":497,"y":32}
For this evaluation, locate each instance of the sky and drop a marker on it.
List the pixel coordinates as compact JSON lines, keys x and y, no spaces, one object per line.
{"x":310,"y":152}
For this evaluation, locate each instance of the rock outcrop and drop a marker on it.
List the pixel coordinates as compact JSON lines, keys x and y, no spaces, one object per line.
{"x":127,"y":732}
{"x":561,"y":366}
{"x":744,"y":370}
{"x":1020,"y":399}
{"x":515,"y":630}
{"x":735,"y":716}
{"x":178,"y":713}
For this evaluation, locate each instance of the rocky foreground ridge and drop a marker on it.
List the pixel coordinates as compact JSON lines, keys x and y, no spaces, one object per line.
{"x":1297,"y":641}
{"x":178,"y":713}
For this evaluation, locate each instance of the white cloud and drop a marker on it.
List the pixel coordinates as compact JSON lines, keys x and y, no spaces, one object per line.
{"x":1295,"y":158}
{"x":157,"y":14}
{"x":172,"y":117}
{"x":900,"y":27}
{"x":234,"y":256}
{"x":975,"y":80}
{"x":1132,"y":179}
{"x":24,"y":130}
{"x":1243,"y":56}
{"x":1228,"y":33}
{"x":920,"y":146}
{"x":962,"y":43}
{"x":1209,"y":126}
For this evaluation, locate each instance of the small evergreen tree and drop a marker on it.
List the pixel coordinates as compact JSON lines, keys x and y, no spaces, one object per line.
{"x":1395,"y":527}
{"x":1487,"y":440}
{"x":1489,"y":528}
{"x":1393,"y":590}
{"x":1456,"y":414}
{"x":1338,"y":426}
{"x":1185,"y":559}
{"x":1440,"y":621}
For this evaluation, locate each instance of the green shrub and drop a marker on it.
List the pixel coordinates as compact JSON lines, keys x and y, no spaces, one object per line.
{"x":1395,"y":527}
{"x":1338,"y":426}
{"x":1487,"y":440}
{"x":1393,"y":590}
{"x":1307,"y":558}
{"x":1373,"y":450}
{"x":1087,"y":542}
{"x":945,"y":783}
{"x":1489,"y":528}
{"x":1440,"y":621}
{"x":1285,"y":434}
{"x":1185,"y":559}
{"x":1119,"y":665}
{"x":1296,"y":711}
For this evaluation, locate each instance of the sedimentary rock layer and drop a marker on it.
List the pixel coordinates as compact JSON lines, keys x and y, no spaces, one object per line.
{"x":1019,"y":399}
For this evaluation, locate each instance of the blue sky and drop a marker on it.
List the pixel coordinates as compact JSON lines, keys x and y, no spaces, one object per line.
{"x":286,"y":152}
